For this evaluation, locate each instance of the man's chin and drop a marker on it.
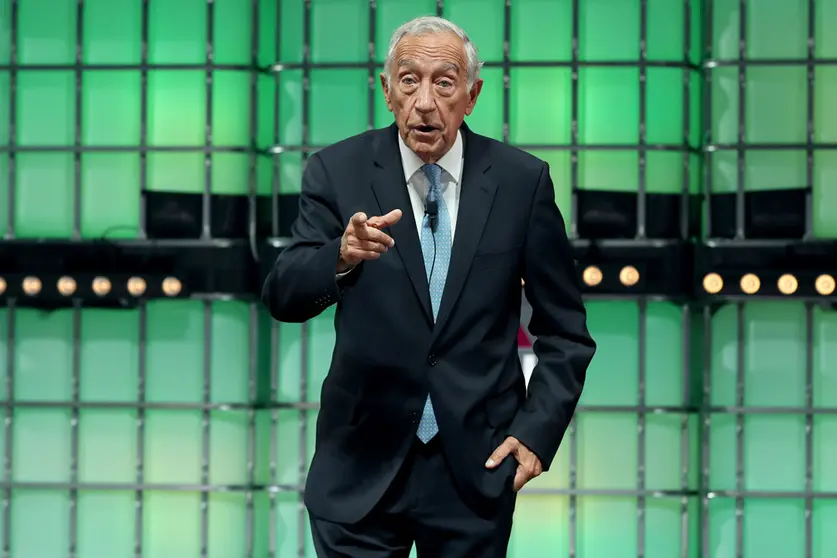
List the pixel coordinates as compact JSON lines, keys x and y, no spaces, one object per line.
{"x":422,"y":145}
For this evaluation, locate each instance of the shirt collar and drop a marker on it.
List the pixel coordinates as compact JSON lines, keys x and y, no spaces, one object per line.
{"x":451,"y":162}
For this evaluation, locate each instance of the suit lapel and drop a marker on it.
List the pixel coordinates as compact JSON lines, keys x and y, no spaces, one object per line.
{"x":475,"y":200}
{"x":390,"y":190}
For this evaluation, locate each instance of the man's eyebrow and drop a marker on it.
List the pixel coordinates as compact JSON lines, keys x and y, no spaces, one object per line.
{"x":447,"y":66}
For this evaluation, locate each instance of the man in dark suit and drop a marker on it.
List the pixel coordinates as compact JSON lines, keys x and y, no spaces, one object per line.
{"x":421,"y":234}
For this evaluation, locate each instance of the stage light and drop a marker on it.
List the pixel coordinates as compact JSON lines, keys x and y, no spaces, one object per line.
{"x":788,"y":284}
{"x":592,"y":276}
{"x":67,"y":286}
{"x":713,"y":283}
{"x":101,"y":286}
{"x":629,"y":276}
{"x":31,"y":285}
{"x":825,"y":284}
{"x":2,"y":285}
{"x":172,"y":286}
{"x":750,"y":283}
{"x":136,"y":286}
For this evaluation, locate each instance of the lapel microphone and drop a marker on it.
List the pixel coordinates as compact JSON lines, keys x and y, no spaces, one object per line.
{"x":432,"y":209}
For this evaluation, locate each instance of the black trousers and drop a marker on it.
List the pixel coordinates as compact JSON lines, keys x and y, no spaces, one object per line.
{"x":422,"y":507}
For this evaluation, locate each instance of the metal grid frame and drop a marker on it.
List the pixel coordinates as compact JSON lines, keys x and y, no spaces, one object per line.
{"x":642,"y":493}
{"x":741,"y":147}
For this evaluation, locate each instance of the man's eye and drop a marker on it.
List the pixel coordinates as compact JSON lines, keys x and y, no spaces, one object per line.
{"x":445,"y":83}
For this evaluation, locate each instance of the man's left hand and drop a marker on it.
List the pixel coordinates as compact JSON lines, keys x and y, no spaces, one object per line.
{"x":528,"y":464}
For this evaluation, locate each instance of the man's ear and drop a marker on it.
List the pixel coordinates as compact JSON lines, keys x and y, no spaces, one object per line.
{"x":385,"y":87}
{"x":473,"y":94}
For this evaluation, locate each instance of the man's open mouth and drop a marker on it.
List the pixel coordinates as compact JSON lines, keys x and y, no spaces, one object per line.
{"x":426,"y":129}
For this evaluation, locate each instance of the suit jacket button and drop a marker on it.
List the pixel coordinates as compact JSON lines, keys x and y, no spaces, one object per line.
{"x":431,"y":360}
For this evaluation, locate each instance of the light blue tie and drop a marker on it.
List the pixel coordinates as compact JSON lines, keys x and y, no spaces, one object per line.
{"x":436,"y":260}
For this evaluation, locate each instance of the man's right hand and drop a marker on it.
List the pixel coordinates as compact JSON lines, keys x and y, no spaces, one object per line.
{"x":363,"y":239}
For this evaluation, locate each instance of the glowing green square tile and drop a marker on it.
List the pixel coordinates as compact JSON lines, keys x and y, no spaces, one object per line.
{"x":339,"y":30}
{"x":665,"y":30}
{"x":329,"y":121}
{"x":541,"y":30}
{"x":613,"y":377}
{"x":171,"y":524}
{"x":43,"y":356}
{"x":169,"y":433}
{"x":776,"y":104}
{"x":106,"y":524}
{"x":765,"y":436}
{"x":110,"y":195}
{"x":232,"y":34}
{"x":231,"y":108}
{"x":174,"y":351}
{"x":607,"y":526}
{"x":35,"y":512}
{"x":44,"y":176}
{"x":725,"y":20}
{"x":41,"y":445}
{"x":230,"y":173}
{"x":607,"y":450}
{"x":774,"y":527}
{"x":824,"y":21}
{"x":825,"y":453}
{"x":825,"y":113}
{"x":608,"y":109}
{"x":777,"y":30}
{"x":45,"y":108}
{"x":825,"y":195}
{"x":608,"y":170}
{"x":823,"y":518}
{"x":664,"y":105}
{"x":112,"y":32}
{"x":227,"y":529}
{"x":46,"y":32}
{"x":177,"y":32}
{"x":109,"y":336}
{"x":532,"y":122}
{"x":107,"y":446}
{"x":176,"y":108}
{"x":609,"y":30}
{"x":825,"y":343}
{"x":176,"y":172}
{"x":111,"y":108}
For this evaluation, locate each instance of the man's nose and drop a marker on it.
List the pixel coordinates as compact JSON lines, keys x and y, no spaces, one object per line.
{"x":424,"y":100}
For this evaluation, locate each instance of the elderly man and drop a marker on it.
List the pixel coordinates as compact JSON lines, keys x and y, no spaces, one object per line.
{"x":421,"y":234}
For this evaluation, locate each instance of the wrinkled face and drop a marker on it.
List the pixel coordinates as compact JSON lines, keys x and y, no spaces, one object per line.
{"x":429,"y":93}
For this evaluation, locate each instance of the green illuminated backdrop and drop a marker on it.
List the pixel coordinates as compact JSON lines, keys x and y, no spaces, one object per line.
{"x":195,"y":419}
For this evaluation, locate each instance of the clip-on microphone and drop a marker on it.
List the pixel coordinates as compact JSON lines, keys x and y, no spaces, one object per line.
{"x":432,"y":210}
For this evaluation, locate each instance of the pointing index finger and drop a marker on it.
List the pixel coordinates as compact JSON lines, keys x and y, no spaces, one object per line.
{"x":387,"y":220}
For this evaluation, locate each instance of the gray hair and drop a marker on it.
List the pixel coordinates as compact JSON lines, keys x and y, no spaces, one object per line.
{"x":431,"y":25}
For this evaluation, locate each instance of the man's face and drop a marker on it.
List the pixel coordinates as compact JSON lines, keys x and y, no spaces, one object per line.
{"x":428,"y":93}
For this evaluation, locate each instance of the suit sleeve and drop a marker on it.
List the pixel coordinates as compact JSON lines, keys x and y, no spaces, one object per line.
{"x":304,"y":281}
{"x":563,"y":345}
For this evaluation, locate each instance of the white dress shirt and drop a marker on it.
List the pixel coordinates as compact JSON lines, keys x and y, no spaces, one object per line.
{"x":418,"y":185}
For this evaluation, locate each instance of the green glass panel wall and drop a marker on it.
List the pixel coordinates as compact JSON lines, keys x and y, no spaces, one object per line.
{"x":770,"y":120}
{"x":100,"y":106}
{"x":637,"y":474}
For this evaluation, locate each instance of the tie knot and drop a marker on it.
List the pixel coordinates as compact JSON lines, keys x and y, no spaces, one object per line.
{"x":434,"y":175}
